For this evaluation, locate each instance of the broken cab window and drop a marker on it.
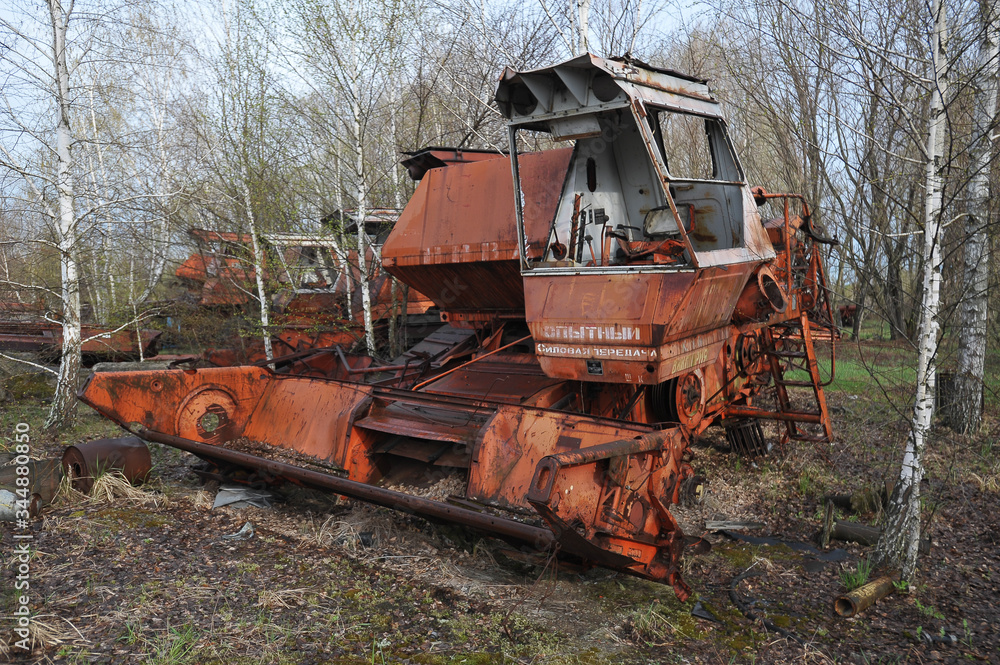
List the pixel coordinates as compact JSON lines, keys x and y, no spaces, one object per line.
{"x":685,"y":144}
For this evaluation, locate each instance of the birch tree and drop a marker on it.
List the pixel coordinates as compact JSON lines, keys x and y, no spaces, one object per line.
{"x":900,"y":539}
{"x":966,"y":412}
{"x":75,"y":147}
{"x":43,"y":66}
{"x":64,"y":400}
{"x":611,"y":28}
{"x":247,"y":150}
{"x":351,"y":53}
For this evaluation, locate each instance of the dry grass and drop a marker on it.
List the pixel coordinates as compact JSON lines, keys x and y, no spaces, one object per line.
{"x":109,"y":487}
{"x":346,"y":530}
{"x":284,"y":598}
{"x":989,"y":482}
{"x":113,"y":487}
{"x":67,"y":494}
{"x":203,"y":500}
{"x":48,"y":630}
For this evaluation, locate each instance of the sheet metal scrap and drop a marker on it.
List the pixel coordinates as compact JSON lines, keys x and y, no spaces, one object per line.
{"x":100,"y":343}
{"x":313,"y":275}
{"x":614,"y":309}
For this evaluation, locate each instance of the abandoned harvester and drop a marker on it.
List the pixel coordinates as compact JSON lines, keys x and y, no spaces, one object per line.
{"x":602,"y":303}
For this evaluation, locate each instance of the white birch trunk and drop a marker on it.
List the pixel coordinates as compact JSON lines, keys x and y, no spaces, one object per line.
{"x":95,"y":290}
{"x":63,"y":409}
{"x":138,"y":334}
{"x":362,"y":206}
{"x":396,"y":317}
{"x":95,"y":145}
{"x":112,"y":286}
{"x":965,"y":413}
{"x":258,"y":271}
{"x":897,"y":547}
{"x":159,"y":244}
{"x":573,"y":13}
{"x":345,"y":262}
{"x":362,"y":213}
{"x":584,"y":7}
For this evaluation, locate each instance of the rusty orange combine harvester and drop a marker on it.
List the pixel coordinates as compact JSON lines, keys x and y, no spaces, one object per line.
{"x":602,"y":304}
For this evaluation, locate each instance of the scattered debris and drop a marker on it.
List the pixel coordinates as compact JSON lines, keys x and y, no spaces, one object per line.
{"x":832,"y":556}
{"x":45,"y":476}
{"x":744,"y":606}
{"x":246,"y":533}
{"x":239,"y":496}
{"x":702,"y":612}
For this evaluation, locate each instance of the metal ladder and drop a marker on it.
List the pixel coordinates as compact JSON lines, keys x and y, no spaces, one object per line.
{"x":790,"y":347}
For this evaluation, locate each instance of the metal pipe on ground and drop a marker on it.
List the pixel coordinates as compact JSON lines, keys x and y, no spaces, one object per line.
{"x":537,"y":537}
{"x":857,"y":601}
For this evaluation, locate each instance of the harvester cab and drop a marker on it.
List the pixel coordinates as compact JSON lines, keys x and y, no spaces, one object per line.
{"x":653,"y":179}
{"x":602,"y":302}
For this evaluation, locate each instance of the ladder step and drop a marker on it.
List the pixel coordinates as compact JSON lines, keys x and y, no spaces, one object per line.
{"x":803,"y":413}
{"x":801,"y":417}
{"x":796,"y":384}
{"x":787,"y":354}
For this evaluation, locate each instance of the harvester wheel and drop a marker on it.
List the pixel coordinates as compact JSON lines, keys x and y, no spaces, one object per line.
{"x":692,"y":491}
{"x":748,"y":355}
{"x":690,"y":398}
{"x":680,"y":400}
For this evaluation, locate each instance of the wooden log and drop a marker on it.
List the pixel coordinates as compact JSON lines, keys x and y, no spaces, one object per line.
{"x":824,"y":540}
{"x":866,"y":535}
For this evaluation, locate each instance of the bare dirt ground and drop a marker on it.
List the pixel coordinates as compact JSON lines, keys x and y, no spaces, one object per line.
{"x":152,"y":580}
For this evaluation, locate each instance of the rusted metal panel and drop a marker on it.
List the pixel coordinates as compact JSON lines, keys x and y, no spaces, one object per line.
{"x":100,"y":343}
{"x":216,"y":405}
{"x":419,"y":162}
{"x":710,"y":300}
{"x":507,"y":528}
{"x":311,"y":416}
{"x":156,"y":399}
{"x":513,"y":383}
{"x":422,"y":421}
{"x":517,"y":438}
{"x":619,"y":493}
{"x":634,"y":328}
{"x":456,"y":241}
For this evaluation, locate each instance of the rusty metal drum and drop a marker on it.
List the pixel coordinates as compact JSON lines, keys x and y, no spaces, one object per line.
{"x":86,"y":461}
